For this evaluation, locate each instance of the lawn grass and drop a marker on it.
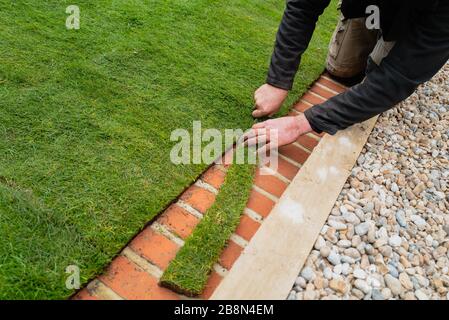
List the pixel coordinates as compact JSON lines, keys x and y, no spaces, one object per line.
{"x":86,"y":116}
{"x":189,"y":271}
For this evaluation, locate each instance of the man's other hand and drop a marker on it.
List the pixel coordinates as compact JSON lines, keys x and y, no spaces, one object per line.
{"x":288,"y":130}
{"x":268,"y":100}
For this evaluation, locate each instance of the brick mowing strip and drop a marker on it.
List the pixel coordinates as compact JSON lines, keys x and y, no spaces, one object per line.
{"x":134,"y":273}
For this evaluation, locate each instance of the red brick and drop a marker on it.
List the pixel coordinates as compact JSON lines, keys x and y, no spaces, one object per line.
{"x":322,"y":92}
{"x":212,"y":284}
{"x":307,"y":142}
{"x":293,"y":114}
{"x":84,"y":295}
{"x":199,"y":198}
{"x":214,"y":176}
{"x":260,"y":204}
{"x":270,"y":183}
{"x":301,"y":106}
{"x":131,"y":282}
{"x":295,"y":153}
{"x":332,"y":85}
{"x":287,"y":169}
{"x":156,"y":248}
{"x":179,"y":221}
{"x":313,"y":99}
{"x":319,"y":134}
{"x":247,"y":227}
{"x":230,"y":254}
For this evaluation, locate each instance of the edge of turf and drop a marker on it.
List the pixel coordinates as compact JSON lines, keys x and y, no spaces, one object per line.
{"x":189,"y":271}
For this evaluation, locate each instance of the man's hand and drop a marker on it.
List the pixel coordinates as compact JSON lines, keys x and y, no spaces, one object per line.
{"x":288,"y":130}
{"x":268,"y":100}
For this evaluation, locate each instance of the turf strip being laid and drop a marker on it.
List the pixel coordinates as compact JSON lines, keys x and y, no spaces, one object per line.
{"x":189,"y":271}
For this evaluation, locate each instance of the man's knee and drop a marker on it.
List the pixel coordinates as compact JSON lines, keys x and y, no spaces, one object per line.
{"x":350,"y":48}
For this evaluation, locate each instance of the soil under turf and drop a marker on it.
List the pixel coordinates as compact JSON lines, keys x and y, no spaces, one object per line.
{"x":86,"y":117}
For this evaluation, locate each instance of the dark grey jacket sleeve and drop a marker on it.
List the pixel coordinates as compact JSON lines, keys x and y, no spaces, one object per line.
{"x":292,"y":39}
{"x":414,"y":59}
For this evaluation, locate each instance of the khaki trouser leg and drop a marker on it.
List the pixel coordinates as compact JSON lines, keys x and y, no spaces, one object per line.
{"x":350,"y":47}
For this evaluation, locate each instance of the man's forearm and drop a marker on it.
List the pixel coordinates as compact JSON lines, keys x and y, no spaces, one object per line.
{"x":293,"y":37}
{"x":414,"y":59}
{"x":379,"y":92}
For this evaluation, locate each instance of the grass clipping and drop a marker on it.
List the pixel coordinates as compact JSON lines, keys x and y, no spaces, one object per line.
{"x":189,"y":271}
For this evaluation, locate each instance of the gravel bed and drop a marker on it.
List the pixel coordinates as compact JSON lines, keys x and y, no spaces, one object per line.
{"x":387,"y":235}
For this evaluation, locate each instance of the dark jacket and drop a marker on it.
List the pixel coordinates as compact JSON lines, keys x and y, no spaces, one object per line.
{"x":421,"y":32}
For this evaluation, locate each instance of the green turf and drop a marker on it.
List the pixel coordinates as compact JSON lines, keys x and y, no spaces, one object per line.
{"x":86,"y":116}
{"x":188,"y":272}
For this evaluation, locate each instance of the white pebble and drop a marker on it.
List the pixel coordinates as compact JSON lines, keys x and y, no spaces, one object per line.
{"x":395,"y":241}
{"x":337,"y":225}
{"x":359,"y":274}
